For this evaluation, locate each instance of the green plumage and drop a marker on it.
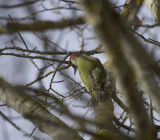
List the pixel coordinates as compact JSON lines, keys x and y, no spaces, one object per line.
{"x":92,"y":74}
{"x":91,"y":71}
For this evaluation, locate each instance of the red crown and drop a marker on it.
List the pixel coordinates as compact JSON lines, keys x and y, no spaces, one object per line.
{"x":73,"y":55}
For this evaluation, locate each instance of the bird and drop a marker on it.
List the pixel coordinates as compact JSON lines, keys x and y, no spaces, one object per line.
{"x":94,"y":77}
{"x":92,"y":74}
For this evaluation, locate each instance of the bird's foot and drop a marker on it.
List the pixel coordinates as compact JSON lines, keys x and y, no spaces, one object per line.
{"x":99,"y":95}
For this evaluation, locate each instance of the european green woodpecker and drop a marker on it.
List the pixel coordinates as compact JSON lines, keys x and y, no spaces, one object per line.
{"x":92,"y":74}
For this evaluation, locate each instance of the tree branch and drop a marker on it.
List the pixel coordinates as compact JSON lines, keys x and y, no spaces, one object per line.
{"x":37,"y":114}
{"x":40,"y":25}
{"x":111,"y":32}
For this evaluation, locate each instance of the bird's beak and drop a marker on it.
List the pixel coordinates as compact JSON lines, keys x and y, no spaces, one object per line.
{"x":74,"y":67}
{"x":75,"y":70}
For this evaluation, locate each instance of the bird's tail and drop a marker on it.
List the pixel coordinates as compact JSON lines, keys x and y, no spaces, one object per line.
{"x":103,"y":107}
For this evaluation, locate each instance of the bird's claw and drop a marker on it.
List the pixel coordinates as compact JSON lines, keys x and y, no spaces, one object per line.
{"x":100,"y":96}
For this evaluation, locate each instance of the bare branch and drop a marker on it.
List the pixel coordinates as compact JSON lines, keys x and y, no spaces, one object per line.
{"x":40,"y":25}
{"x":36,"y":57}
{"x":33,"y":111}
{"x":90,"y":52}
